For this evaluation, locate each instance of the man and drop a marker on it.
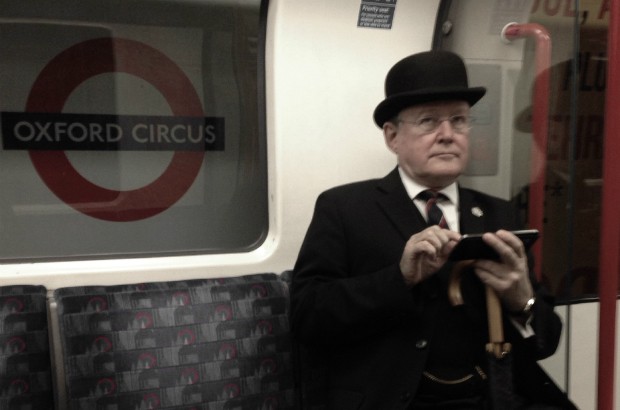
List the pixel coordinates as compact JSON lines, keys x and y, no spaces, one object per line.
{"x":369,"y":286}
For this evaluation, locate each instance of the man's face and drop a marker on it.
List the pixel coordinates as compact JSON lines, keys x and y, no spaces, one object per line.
{"x":431,"y":157}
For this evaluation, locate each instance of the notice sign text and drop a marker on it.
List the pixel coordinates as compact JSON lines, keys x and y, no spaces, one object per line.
{"x":376,"y":14}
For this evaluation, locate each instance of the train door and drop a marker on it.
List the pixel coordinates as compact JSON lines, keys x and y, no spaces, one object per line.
{"x":539,"y":141}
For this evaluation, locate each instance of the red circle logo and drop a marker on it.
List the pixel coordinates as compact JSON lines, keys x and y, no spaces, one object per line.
{"x":105,"y":55}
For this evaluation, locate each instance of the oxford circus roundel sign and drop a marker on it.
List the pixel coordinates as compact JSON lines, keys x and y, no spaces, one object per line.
{"x":49,"y":93}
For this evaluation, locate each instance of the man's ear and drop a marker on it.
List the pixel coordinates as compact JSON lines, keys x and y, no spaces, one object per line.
{"x":390,"y":130}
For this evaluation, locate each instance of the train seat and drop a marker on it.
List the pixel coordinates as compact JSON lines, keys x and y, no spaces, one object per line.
{"x":25,"y":370}
{"x":202,"y":344}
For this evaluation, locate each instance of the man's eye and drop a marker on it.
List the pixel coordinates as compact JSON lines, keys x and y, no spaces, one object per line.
{"x":459,"y":120}
{"x":427,"y":121}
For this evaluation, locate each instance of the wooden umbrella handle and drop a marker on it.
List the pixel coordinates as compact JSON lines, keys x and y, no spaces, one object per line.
{"x":496,"y":344}
{"x":454,"y":282}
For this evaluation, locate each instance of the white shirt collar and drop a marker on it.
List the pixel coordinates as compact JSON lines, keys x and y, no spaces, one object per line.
{"x":413,"y":188}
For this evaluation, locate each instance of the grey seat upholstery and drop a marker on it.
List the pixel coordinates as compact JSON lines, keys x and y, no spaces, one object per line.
{"x":25,"y":370}
{"x":199,"y":344}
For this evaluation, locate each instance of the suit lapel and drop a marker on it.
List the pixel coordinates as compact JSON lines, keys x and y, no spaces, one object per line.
{"x":472,"y":214}
{"x":397,"y":206}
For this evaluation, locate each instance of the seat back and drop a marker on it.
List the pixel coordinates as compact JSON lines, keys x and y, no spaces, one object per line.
{"x":209,"y":343}
{"x":25,"y":370}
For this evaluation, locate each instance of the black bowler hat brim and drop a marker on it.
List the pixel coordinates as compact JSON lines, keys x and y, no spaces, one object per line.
{"x":428,"y":76}
{"x":391,"y":106}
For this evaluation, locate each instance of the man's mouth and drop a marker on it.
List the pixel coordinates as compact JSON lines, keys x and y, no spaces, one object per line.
{"x":444,"y":154}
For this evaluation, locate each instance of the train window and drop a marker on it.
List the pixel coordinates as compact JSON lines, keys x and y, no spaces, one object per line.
{"x":131,"y":128}
{"x":554,"y":172}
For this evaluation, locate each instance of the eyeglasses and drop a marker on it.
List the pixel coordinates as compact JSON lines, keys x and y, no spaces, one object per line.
{"x":459,"y":123}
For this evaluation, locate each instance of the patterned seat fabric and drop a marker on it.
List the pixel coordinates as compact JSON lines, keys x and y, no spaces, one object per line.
{"x":25,"y":370}
{"x":196,"y":344}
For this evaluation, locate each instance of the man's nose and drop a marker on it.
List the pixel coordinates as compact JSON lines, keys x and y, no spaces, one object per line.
{"x":445,"y":128}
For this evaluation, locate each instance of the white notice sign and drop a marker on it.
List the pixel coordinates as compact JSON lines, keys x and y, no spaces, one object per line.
{"x":376,"y":14}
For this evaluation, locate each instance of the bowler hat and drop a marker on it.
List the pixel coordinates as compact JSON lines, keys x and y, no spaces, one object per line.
{"x":425,"y":77}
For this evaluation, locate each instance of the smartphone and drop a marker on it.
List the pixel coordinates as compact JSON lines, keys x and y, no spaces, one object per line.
{"x":471,"y":246}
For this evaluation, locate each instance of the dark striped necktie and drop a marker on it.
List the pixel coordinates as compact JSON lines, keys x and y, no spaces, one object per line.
{"x":434,"y":215}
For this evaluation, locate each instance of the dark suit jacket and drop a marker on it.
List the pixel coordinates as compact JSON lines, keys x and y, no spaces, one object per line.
{"x":350,"y":303}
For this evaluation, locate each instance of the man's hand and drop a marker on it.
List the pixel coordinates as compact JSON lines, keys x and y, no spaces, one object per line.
{"x":426,"y":252}
{"x":509,"y":276}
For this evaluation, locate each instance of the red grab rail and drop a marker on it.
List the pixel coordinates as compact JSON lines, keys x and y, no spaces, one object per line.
{"x":609,"y":254}
{"x":540,"y":117}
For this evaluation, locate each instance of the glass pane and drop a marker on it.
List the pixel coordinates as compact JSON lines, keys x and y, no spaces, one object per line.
{"x":573,"y":149}
{"x":131,"y":127}
{"x":568,"y":160}
{"x":575,"y":146}
{"x":517,"y":159}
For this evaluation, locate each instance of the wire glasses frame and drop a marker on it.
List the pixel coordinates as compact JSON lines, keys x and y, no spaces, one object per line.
{"x":459,"y":123}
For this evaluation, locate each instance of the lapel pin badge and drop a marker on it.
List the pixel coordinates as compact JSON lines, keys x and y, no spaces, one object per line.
{"x":477,"y":211}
